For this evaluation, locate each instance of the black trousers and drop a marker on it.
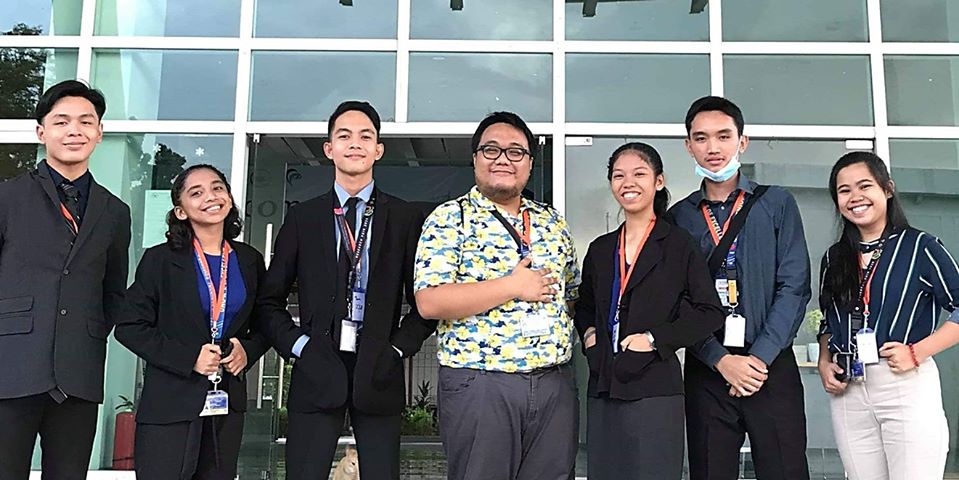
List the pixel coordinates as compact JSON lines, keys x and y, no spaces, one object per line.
{"x":312,"y":439}
{"x":774,"y":417}
{"x":66,"y":433}
{"x":206,"y":448}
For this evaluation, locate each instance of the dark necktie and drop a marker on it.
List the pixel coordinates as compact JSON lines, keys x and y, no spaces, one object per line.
{"x":72,"y":195}
{"x":345,"y":263}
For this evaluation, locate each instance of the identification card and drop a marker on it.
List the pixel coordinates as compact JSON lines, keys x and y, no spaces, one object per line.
{"x":866,"y":346}
{"x":858,"y":371}
{"x":535,"y":325}
{"x":722,"y":288}
{"x":735,"y":331}
{"x":348,"y":336}
{"x":616,"y":337}
{"x":359,"y":305}
{"x":217,"y":403}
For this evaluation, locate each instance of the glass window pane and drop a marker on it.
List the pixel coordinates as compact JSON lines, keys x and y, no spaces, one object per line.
{"x":40,"y":17}
{"x":801,"y":89}
{"x":188,"y":18}
{"x":486,"y":20}
{"x":324,"y":19}
{"x":923,"y":153}
{"x":795,"y":21}
{"x":167,"y":84}
{"x":467,"y":86}
{"x":920,"y":20}
{"x":630,"y":20}
{"x":322,"y":81}
{"x":18,"y":158}
{"x":26,"y":72}
{"x":922,"y":90}
{"x":633,"y":88}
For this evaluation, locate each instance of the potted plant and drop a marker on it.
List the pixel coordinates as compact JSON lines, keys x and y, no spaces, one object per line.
{"x":125,"y":428}
{"x":811,"y":325}
{"x":419,"y":418}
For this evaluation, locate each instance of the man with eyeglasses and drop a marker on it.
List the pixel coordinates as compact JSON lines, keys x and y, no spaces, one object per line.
{"x":499,"y":272}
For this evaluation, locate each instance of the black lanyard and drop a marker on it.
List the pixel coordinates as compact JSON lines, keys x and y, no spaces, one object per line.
{"x":355,"y":249}
{"x":522,"y":241}
{"x":858,"y":316}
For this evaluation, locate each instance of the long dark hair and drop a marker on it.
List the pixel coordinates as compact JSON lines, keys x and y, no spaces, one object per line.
{"x":841,"y":282}
{"x":652,"y":158}
{"x":180,"y":232}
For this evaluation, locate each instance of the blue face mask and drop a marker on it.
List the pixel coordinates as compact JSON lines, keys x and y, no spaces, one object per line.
{"x":727,"y":172}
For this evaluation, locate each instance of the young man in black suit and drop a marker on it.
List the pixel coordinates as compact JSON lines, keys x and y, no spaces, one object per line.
{"x":351,"y":253}
{"x":63,"y":274}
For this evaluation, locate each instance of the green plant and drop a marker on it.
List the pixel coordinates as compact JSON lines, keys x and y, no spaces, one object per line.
{"x":423,"y":397}
{"x":811,"y":321}
{"x":418,"y":421}
{"x":125,"y":405}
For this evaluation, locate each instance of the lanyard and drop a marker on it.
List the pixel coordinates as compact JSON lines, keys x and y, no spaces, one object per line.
{"x":69,"y":217}
{"x":355,"y":246}
{"x":217,"y":300}
{"x":714,"y":230}
{"x":623,"y":273}
{"x":717,"y":233}
{"x":860,"y":318}
{"x":522,"y":241}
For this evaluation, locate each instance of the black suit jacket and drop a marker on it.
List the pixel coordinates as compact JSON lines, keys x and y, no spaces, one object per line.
{"x":60,"y":293}
{"x":670,"y":294}
{"x":305,"y":252}
{"x":165,"y":325}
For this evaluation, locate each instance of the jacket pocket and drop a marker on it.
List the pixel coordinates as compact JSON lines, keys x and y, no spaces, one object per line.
{"x":16,"y":304}
{"x":14,"y":324}
{"x":629,"y":365}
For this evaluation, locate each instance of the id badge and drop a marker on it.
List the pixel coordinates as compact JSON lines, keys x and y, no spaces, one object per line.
{"x":722,"y":288}
{"x":348,"y":336}
{"x":616,"y":337}
{"x":858,"y":371}
{"x":735,"y":331}
{"x":359,"y":305}
{"x":523,"y":251}
{"x":217,"y":403}
{"x":866,"y":346}
{"x":535,"y":325}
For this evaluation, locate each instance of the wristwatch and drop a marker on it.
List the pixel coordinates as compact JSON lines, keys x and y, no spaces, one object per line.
{"x":652,"y":341}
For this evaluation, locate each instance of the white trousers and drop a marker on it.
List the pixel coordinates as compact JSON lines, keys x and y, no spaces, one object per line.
{"x":892,"y":426}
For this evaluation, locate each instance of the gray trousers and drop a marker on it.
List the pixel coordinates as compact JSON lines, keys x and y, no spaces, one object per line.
{"x":509,"y":426}
{"x":640,"y":439}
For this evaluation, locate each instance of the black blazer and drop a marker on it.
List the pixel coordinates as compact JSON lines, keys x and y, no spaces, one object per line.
{"x":670,"y":294}
{"x":60,"y":294}
{"x":164,"y":324}
{"x":305,"y":252}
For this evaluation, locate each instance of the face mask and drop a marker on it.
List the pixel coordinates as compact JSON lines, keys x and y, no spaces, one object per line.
{"x":724,"y":174}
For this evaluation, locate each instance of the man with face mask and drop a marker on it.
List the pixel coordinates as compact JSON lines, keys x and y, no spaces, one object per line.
{"x":744,"y":379}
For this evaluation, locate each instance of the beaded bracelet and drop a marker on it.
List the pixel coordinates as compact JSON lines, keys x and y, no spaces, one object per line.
{"x":912,"y":351}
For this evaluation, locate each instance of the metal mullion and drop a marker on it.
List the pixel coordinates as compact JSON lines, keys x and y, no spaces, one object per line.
{"x":481,"y":46}
{"x":324,"y":44}
{"x":596,"y":46}
{"x":168,"y":126}
{"x":920,"y":49}
{"x":240,"y":152}
{"x":402,"y":104}
{"x":716,"y":69}
{"x":911,"y":132}
{"x":797,"y":48}
{"x":164,"y":43}
{"x":678,"y":130}
{"x":85,"y":51}
{"x":37,"y":41}
{"x":560,"y":46}
{"x":878,"y":68}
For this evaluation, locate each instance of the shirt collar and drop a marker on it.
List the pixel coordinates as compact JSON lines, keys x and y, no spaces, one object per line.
{"x":342,"y":195}
{"x":482,"y":203}
{"x":744,"y":184}
{"x":82,"y":182}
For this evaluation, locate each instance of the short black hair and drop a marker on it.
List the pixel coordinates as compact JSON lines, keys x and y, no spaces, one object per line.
{"x":69,"y":88}
{"x":354,"y":105}
{"x":508,"y":118}
{"x":715,"y":104}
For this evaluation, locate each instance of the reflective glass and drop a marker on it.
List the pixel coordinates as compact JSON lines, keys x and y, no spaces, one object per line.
{"x":468,"y":86}
{"x":40,"y":17}
{"x":26,"y":72}
{"x":189,"y":18}
{"x":486,"y":20}
{"x":324,"y":19}
{"x":322,"y":80}
{"x":633,"y":88}
{"x":920,"y":20}
{"x":18,"y":158}
{"x":637,"y":20}
{"x":167,"y":84}
{"x":792,"y":21}
{"x":924,"y":153}
{"x":922,"y":90}
{"x":801,"y":89}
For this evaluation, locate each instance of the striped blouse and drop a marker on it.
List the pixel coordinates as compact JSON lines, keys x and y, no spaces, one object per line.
{"x":914,"y":280}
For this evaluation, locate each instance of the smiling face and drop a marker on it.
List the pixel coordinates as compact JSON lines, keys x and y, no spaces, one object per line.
{"x":634,"y":183}
{"x":861,"y":199}
{"x":714,"y":140}
{"x":70,"y":132}
{"x":354,"y":145}
{"x":205,"y":200}
{"x":501,"y":180}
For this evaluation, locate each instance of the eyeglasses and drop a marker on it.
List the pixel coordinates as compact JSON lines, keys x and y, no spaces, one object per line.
{"x":513,"y":154}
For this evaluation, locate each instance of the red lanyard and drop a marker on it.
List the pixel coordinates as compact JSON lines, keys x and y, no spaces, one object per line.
{"x":217,"y":300}
{"x":714,"y":225}
{"x":525,"y":236}
{"x":623,"y":273}
{"x":67,"y":215}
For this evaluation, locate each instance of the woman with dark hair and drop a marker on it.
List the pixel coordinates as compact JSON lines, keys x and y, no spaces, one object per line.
{"x":883,"y":287}
{"x":189,"y":316}
{"x":646,"y":293}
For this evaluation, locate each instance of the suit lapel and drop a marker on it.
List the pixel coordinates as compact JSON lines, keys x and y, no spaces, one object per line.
{"x":186,"y":286}
{"x":323,"y":223}
{"x":96,"y":204}
{"x":651,"y":255}
{"x":248,"y":269}
{"x":380,"y":214}
{"x":47,"y":183}
{"x":604,"y":275}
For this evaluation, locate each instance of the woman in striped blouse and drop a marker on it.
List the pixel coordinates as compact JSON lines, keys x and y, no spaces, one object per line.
{"x":884,"y":285}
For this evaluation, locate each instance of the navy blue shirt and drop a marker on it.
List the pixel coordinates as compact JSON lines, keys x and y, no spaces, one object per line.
{"x":772,"y":267}
{"x":915,"y":280}
{"x":235,"y":288}
{"x":82,"y":183}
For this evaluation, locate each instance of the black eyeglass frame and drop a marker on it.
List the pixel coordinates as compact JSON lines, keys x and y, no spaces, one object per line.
{"x":500,"y":151}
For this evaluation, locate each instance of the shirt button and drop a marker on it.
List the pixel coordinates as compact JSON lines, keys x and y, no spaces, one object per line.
{"x":63,"y":311}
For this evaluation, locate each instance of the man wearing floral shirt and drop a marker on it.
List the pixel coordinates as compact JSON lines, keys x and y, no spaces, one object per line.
{"x":499,"y":271}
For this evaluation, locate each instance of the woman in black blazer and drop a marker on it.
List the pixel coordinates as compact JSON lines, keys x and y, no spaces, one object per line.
{"x":189,"y":350}
{"x":635,"y":409}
